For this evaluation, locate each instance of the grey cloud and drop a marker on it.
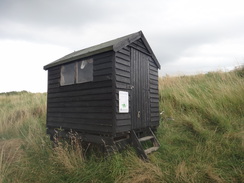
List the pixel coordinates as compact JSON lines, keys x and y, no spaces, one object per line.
{"x":37,"y":20}
{"x":64,"y":22}
{"x":170,"y":46}
{"x":51,"y":13}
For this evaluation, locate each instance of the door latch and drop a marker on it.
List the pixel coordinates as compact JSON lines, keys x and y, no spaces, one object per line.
{"x":138,"y":114}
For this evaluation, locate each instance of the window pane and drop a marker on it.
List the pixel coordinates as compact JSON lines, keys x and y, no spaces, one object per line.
{"x":85,"y":71}
{"x":67,"y":74}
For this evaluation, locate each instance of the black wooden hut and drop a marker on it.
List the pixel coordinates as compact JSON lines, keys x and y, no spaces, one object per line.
{"x":106,"y":92}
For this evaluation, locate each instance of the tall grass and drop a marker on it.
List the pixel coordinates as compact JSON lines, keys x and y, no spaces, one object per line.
{"x":200,"y":132}
{"x":22,"y":117}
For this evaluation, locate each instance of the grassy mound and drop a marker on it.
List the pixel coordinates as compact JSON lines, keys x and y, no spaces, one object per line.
{"x":201,"y":135}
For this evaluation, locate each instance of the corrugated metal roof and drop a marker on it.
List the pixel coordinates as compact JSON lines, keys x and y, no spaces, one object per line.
{"x":115,"y":45}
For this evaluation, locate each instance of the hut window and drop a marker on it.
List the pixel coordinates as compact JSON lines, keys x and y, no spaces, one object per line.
{"x":85,"y":71}
{"x":77,"y":72}
{"x":67,"y":74}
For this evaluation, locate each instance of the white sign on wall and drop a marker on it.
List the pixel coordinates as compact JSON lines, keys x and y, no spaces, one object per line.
{"x":123,"y":102}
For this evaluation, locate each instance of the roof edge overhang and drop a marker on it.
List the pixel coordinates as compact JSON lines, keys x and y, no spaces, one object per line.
{"x":64,"y":61}
{"x":150,"y":50}
{"x":131,"y":39}
{"x":127,"y":41}
{"x":118,"y":45}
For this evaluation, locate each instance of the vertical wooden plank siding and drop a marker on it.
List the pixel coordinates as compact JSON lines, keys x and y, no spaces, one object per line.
{"x":140,"y":92}
{"x":153,"y":85}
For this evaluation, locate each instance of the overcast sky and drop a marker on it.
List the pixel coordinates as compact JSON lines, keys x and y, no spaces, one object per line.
{"x":187,"y":36}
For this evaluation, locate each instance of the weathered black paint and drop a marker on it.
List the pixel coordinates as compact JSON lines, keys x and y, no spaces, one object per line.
{"x":93,"y":107}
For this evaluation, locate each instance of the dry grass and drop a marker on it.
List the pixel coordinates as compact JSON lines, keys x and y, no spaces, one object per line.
{"x":201,"y":134}
{"x":19,"y":114}
{"x":17,"y":109}
{"x":139,"y":171}
{"x":10,"y":153}
{"x":70,"y":157}
{"x":213,"y":176}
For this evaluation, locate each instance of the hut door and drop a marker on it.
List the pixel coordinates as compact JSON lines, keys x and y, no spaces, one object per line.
{"x":140,"y":101}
